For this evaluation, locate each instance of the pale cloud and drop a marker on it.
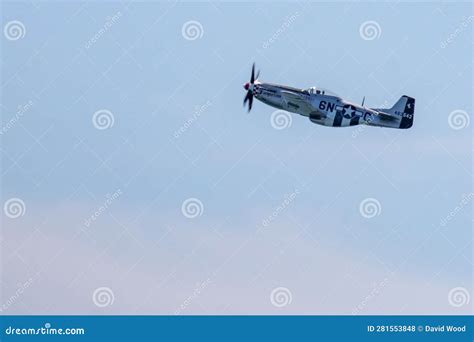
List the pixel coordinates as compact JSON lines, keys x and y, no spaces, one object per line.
{"x":164,"y":274}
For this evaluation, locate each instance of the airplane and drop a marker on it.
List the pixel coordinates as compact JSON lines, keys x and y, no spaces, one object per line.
{"x":327,"y":109}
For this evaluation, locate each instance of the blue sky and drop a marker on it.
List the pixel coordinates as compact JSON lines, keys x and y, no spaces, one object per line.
{"x":132,"y":59}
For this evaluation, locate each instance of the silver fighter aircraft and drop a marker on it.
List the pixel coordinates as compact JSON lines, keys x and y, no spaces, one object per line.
{"x":327,"y":109}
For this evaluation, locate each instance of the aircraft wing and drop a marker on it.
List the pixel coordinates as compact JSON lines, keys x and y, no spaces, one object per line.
{"x":296,"y":101}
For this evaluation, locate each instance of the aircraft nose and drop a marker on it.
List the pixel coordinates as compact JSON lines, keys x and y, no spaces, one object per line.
{"x":247,"y":86}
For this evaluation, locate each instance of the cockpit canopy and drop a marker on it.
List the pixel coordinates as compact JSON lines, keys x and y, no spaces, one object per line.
{"x":319,"y":91}
{"x":314,"y":90}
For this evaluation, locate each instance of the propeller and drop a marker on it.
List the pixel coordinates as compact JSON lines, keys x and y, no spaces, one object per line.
{"x":249,"y":87}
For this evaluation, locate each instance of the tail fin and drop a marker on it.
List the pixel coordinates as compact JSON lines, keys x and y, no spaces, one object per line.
{"x":404,"y":108}
{"x":399,"y":116}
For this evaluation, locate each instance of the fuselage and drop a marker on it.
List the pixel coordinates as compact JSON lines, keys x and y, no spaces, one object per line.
{"x":321,"y":108}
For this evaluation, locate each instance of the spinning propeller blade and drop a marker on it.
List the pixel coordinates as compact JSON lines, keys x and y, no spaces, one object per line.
{"x":249,"y":87}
